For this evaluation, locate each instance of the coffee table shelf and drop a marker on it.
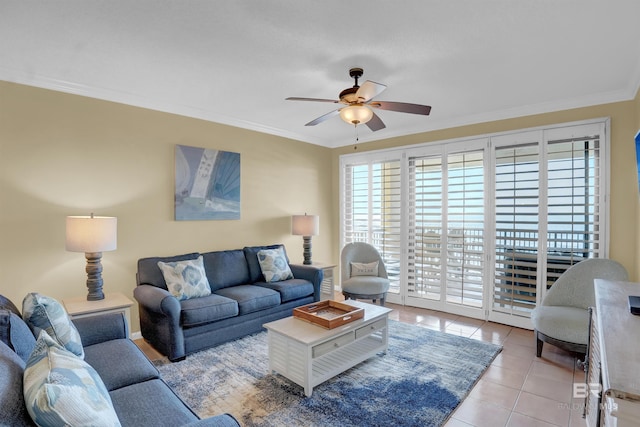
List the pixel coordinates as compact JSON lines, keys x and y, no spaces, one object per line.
{"x":309,"y":355}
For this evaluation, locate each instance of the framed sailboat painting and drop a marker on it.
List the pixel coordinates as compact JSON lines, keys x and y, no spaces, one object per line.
{"x":207,"y":184}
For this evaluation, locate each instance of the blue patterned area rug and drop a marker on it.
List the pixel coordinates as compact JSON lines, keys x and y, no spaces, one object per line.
{"x":421,"y":379}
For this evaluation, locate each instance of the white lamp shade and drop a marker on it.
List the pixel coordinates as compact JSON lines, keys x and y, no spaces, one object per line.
{"x":91,"y":233}
{"x":356,"y":114}
{"x":305,"y":225}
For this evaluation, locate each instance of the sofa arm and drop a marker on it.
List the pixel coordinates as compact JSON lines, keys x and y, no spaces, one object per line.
{"x":157,"y":300}
{"x":160,"y":324}
{"x":223,"y":420}
{"x":310,"y":273}
{"x":101,"y":328}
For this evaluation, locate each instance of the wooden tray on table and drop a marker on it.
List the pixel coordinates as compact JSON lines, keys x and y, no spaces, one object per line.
{"x":328,"y":314}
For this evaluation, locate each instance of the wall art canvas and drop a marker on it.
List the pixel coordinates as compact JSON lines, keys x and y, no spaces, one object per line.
{"x":207,"y":184}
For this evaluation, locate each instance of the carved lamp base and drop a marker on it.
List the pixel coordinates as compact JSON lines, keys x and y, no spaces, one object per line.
{"x":94,"y":276}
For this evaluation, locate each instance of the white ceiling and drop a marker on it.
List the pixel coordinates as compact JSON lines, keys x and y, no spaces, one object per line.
{"x":234,"y":62}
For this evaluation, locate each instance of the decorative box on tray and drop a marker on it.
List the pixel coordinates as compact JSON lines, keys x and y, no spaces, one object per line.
{"x":328,"y":314}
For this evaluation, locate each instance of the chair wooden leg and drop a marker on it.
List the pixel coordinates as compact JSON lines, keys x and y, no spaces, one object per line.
{"x":539,"y":344}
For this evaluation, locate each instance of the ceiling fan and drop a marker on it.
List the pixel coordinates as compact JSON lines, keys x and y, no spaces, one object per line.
{"x":359,"y":103}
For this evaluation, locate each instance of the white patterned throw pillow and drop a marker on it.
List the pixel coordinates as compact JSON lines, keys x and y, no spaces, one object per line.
{"x":274,"y":266}
{"x":186,"y":279}
{"x":60,"y":389}
{"x":364,"y":269}
{"x":44,"y":313}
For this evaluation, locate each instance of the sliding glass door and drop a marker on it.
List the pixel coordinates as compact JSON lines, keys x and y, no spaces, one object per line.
{"x":371,"y":211}
{"x":481,"y":227}
{"x":549,"y":209}
{"x":446,"y":228}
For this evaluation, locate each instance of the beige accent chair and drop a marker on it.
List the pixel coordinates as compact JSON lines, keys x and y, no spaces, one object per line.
{"x":363,"y":273}
{"x":563,"y":317}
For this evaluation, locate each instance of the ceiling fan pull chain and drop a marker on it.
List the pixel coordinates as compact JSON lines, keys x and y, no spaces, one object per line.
{"x":355,"y":127}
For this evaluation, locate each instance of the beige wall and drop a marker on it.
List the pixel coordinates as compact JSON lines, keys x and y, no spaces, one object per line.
{"x":65,"y":155}
{"x":625,"y":122}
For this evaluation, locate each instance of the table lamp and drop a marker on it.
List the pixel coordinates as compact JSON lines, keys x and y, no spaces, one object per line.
{"x":92,"y":235}
{"x":305,"y":226}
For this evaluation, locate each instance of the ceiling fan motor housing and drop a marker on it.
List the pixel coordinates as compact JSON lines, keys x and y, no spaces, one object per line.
{"x":348,"y":95}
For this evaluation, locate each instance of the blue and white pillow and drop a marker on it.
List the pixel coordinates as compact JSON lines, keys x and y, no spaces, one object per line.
{"x":274,"y":266}
{"x":186,"y":279}
{"x":44,"y":313}
{"x":60,"y":389}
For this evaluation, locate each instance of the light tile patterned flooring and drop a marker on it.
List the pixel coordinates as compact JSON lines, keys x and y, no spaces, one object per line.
{"x":517,"y":390}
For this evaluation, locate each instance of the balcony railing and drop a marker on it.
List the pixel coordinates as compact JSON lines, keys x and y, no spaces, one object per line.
{"x":516,"y":260}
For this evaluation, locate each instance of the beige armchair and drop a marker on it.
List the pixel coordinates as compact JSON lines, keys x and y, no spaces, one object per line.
{"x":563,"y":317}
{"x":363,"y":273}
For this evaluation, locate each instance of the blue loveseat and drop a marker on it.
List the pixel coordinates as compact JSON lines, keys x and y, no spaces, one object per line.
{"x":139,"y":395}
{"x":241,"y":300}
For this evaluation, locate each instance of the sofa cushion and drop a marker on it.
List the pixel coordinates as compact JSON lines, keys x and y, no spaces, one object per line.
{"x":62,"y":389}
{"x":291,"y":289}
{"x":150,"y":274}
{"x":150,"y":403}
{"x":251,"y":298}
{"x":570,"y":324}
{"x":207,"y":309}
{"x":273,"y":265}
{"x":119,"y":363}
{"x":15,"y":333}
{"x":185,"y":279}
{"x":251,"y":255}
{"x":44,"y":313}
{"x":226,"y":268}
{"x":14,"y":412}
{"x":366,"y":285}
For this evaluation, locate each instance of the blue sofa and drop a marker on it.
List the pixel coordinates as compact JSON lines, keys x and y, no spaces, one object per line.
{"x":241,"y":300}
{"x":139,"y":395}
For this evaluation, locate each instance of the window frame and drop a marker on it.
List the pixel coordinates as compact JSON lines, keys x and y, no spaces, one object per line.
{"x":445,"y":147}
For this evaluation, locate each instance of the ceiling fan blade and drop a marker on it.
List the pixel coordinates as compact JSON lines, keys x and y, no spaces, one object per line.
{"x":375,"y":123}
{"x":323,"y":118}
{"x":368,"y":90}
{"x":293,"y":98}
{"x":402,"y":107}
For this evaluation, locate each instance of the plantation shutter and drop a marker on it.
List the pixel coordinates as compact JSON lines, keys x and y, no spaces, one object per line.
{"x":465,"y":228}
{"x":446,"y":228}
{"x":372,"y":210}
{"x":517,"y":197}
{"x":426,"y":198}
{"x":548,"y":206}
{"x":485,"y":223}
{"x":574,"y":203}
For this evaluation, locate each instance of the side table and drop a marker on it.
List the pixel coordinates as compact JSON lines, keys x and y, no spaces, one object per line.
{"x":112,"y":303}
{"x":327,"y":286}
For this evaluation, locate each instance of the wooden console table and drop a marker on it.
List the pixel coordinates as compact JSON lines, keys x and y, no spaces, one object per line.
{"x":614,"y":366}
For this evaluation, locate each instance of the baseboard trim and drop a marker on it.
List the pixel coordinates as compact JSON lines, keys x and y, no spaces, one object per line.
{"x":136,"y":335}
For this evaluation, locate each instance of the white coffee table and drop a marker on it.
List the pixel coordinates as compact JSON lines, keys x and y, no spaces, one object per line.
{"x":309,"y":355}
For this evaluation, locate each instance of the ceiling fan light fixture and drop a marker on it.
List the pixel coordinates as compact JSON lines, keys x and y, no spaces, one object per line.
{"x":356,"y":114}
